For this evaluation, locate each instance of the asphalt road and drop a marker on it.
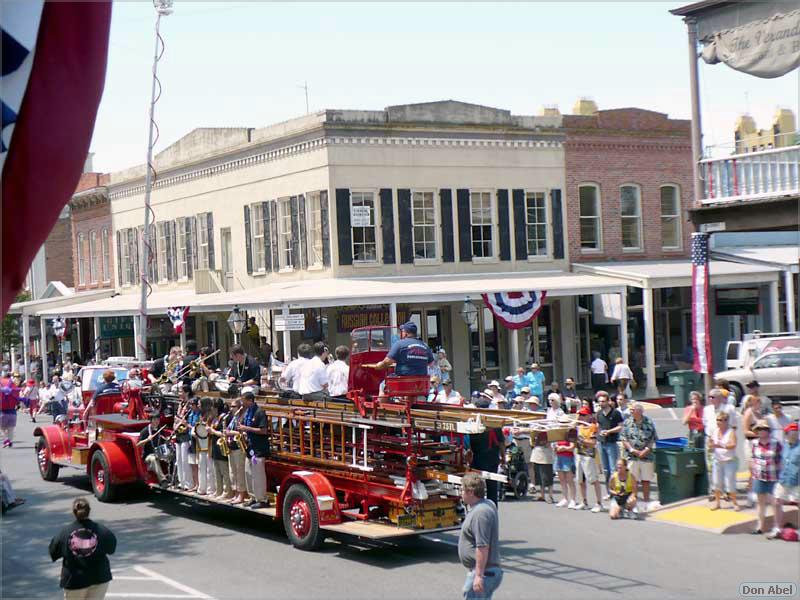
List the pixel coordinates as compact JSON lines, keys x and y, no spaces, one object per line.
{"x":169,"y":549}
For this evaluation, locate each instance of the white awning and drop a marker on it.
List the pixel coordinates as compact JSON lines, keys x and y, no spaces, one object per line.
{"x":678,"y":273}
{"x":786,"y":258}
{"x":34,"y":307}
{"x":352,"y":292}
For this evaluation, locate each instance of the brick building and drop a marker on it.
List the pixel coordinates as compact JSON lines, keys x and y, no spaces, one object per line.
{"x":90,"y":249}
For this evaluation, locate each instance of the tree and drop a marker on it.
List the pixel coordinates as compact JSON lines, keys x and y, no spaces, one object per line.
{"x":9,"y":328}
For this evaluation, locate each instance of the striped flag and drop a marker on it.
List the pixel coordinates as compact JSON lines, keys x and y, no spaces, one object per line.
{"x":701,"y":339}
{"x":53,"y":71}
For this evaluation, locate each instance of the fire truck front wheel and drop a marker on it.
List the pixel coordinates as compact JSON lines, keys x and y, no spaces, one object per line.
{"x":44,"y":459}
{"x":101,"y":478}
{"x":301,"y":518}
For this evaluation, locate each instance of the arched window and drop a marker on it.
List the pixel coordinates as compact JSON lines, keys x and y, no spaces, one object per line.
{"x":590,"y":218}
{"x":671,"y":238}
{"x":81,"y":258}
{"x":93,"y":256}
{"x":630,"y":204}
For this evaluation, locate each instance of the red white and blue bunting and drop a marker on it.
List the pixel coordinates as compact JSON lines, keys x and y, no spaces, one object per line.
{"x":178,"y":314}
{"x":515,"y":310}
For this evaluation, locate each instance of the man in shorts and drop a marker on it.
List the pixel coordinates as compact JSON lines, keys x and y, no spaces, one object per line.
{"x":787,"y":489}
{"x":639,"y":438}
{"x":586,"y":462}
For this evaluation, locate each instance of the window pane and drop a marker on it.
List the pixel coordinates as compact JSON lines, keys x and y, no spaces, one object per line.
{"x":588,"y":201}
{"x":630,"y":232}
{"x":589,"y":233}
{"x":669,"y":232}
{"x":669,"y":201}
{"x":629,"y":201}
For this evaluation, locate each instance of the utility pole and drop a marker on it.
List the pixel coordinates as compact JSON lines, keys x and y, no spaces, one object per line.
{"x":304,"y":87}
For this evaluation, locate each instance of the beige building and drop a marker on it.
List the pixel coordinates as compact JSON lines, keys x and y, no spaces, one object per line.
{"x":781,"y":134}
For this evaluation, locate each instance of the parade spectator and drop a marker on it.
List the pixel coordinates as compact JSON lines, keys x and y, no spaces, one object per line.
{"x":565,"y":467}
{"x":722,"y":444}
{"x":520,"y":380}
{"x":525,"y":400}
{"x":753,"y":392}
{"x":622,"y":377}
{"x":542,"y":459}
{"x":787,"y":490}
{"x":265,"y":349}
{"x":599,"y":369}
{"x":609,"y":421}
{"x":693,"y":419}
{"x":253,"y":332}
{"x":571,"y":401}
{"x":9,"y":398}
{"x":728,"y":394}
{"x":445,"y":367}
{"x":479,"y":540}
{"x":84,"y":546}
{"x":554,"y":407}
{"x":622,"y":488}
{"x":639,"y":438}
{"x":765,"y":466}
{"x":778,"y":420}
{"x":434,"y":389}
{"x":535,"y":380}
{"x":339,"y":372}
{"x":487,"y":448}
{"x":716,"y":404}
{"x":556,"y":389}
{"x":753,"y":413}
{"x":448,"y":395}
{"x":498,"y":397}
{"x":588,"y":404}
{"x":509,"y":392}
{"x":622,"y":405}
{"x":31,"y":394}
{"x":8,"y":499}
{"x":586,"y":459}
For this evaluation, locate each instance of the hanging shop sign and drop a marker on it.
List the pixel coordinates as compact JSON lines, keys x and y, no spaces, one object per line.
{"x":347,"y":320}
{"x":116,"y":327}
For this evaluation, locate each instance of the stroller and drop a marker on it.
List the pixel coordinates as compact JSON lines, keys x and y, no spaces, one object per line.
{"x":516,"y":470}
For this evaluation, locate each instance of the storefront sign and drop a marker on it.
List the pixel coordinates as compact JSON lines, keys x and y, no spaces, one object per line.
{"x":738,"y":301}
{"x":291,"y":322}
{"x":360,"y":216}
{"x":347,"y":320}
{"x":116,"y":327}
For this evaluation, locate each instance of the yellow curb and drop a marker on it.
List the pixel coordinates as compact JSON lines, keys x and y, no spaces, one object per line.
{"x":702,"y":517}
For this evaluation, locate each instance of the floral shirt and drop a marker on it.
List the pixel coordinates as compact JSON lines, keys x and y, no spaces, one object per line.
{"x":639,"y":435}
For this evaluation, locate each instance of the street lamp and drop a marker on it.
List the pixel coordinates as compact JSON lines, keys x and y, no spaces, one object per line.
{"x":236,"y":322}
{"x":60,"y":331}
{"x":469,"y":313}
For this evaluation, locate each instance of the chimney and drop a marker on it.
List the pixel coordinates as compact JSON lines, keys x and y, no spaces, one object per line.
{"x":585,"y":107}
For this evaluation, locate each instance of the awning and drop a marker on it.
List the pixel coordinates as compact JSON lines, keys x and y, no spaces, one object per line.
{"x":351,"y":292}
{"x":34,"y":307}
{"x":786,"y":258}
{"x":678,"y":273}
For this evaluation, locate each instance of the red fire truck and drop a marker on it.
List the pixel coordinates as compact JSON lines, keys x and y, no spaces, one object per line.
{"x":382,"y":464}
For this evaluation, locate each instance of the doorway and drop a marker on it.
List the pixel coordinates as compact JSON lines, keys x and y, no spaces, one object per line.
{"x":227,"y":258}
{"x":484,"y":350}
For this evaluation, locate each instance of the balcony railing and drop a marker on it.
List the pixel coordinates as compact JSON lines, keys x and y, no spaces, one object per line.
{"x":751,"y":176}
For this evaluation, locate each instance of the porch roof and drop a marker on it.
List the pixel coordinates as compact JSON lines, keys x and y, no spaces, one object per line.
{"x":786,"y":258}
{"x":34,"y":307}
{"x":678,"y":273}
{"x":352,"y":291}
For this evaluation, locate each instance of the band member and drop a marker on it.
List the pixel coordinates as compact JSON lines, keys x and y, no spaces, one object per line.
{"x":192,"y":419}
{"x":9,"y":397}
{"x":31,"y":393}
{"x":166,"y":366}
{"x":220,"y":451}
{"x":183,"y":440}
{"x":151,"y":438}
{"x":237,"y":457}
{"x":255,"y":426}
{"x":203,"y":440}
{"x":244,"y":369}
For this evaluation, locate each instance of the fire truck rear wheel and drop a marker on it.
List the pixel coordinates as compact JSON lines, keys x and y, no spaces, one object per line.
{"x":301,"y":518}
{"x":102,"y":487}
{"x":44,"y":458}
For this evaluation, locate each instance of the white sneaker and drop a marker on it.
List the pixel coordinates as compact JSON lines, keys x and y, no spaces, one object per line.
{"x":635,"y":510}
{"x":571,"y":504}
{"x":561,"y":503}
{"x":607,"y":497}
{"x":597,"y":508}
{"x":580,"y":506}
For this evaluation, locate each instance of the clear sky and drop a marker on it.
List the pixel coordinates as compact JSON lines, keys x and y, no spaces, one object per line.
{"x":232,"y":64}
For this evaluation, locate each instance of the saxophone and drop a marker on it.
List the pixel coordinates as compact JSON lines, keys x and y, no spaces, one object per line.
{"x":222,"y":442}
{"x":239,"y":438}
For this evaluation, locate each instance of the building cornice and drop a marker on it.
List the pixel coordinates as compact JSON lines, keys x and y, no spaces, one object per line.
{"x":89,"y":198}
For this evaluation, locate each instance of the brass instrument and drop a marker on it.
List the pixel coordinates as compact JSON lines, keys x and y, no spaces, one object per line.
{"x":169,"y":376}
{"x":238,"y":438}
{"x":222,"y":442}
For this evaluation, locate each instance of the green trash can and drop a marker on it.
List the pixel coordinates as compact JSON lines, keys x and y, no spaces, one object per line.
{"x":682,"y":383}
{"x":680,"y":473}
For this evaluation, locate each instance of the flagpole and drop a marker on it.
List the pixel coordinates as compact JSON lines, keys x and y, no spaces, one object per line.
{"x":163,"y":8}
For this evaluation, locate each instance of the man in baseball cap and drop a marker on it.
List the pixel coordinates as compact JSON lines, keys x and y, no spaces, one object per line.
{"x":408,"y":355}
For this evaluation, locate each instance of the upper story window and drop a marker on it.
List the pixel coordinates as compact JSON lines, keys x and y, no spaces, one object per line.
{"x":423,"y":222}
{"x":314,"y":228}
{"x":671,"y":238}
{"x":536,"y":223}
{"x":205,"y":240}
{"x":81,"y":257}
{"x":591,"y":230}
{"x":133,"y":256}
{"x":482,"y":222}
{"x":94,"y":257}
{"x":105,"y":243}
{"x":184,"y":254}
{"x":630,"y":200}
{"x":164,"y":249}
{"x":257,"y":237}
{"x":362,"y":222}
{"x":285,"y":233}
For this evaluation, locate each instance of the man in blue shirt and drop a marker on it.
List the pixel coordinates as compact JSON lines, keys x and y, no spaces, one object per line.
{"x":408,"y":355}
{"x":535,"y":380}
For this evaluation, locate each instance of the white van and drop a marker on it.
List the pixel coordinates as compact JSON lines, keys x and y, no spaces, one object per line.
{"x":741,"y":355}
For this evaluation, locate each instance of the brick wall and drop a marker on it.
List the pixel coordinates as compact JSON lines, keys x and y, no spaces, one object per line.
{"x":58,"y":255}
{"x":85,"y":220}
{"x":617,"y":147}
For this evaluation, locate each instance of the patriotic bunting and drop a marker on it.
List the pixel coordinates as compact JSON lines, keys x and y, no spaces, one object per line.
{"x":515,"y":310}
{"x":701,"y":339}
{"x":177,"y":315}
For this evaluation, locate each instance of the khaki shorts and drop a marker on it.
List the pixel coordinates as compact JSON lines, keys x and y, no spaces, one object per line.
{"x":524,"y":444}
{"x":643,"y":470}
{"x":586,"y":468}
{"x":788,"y":494}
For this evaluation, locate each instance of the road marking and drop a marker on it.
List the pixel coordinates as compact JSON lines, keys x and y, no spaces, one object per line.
{"x":441,"y":541}
{"x":672,"y":412}
{"x":148,"y":575}
{"x":144,"y":595}
{"x":131,"y":578}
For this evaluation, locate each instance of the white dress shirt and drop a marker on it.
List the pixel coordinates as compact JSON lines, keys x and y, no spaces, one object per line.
{"x":599,"y":366}
{"x":291,"y":374}
{"x":621,"y":371}
{"x":313,"y":376}
{"x":338,"y":376}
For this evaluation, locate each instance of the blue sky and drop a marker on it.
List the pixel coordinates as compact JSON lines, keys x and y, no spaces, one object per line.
{"x":232,"y":64}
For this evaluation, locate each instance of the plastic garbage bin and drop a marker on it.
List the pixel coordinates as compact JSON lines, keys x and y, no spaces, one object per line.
{"x":682,"y":383}
{"x":678,"y":470}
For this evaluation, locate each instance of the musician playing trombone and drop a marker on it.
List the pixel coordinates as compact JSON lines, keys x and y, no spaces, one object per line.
{"x":150,"y":439}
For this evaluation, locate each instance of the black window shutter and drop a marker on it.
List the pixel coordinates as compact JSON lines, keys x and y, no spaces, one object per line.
{"x":387,"y":226}
{"x":273,"y":227}
{"x":464,"y":227}
{"x":265,"y":210}
{"x":301,"y":214}
{"x":404,"y":224}
{"x":119,"y":259}
{"x":343,"y":232}
{"x":295,"y":233}
{"x":210,"y":222}
{"x":174,"y":253}
{"x":133,"y":240}
{"x":446,"y":201}
{"x":326,"y":228}
{"x":191,"y":252}
{"x":503,"y":221}
{"x":153,"y":271}
{"x":558,"y":224}
{"x":520,"y":233}
{"x":247,"y":240}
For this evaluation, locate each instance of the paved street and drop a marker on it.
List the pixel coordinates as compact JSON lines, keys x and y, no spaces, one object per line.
{"x":172,"y":550}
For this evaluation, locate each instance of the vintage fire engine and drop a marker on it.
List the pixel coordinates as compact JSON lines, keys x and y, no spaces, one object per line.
{"x":382,"y":464}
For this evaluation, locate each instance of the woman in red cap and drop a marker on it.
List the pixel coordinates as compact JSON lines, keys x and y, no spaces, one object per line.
{"x":31,"y":394}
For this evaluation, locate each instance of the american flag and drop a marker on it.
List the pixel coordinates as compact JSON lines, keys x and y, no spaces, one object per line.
{"x":701,"y":339}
